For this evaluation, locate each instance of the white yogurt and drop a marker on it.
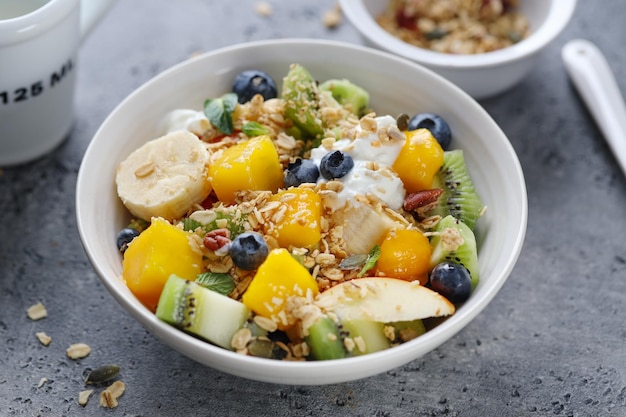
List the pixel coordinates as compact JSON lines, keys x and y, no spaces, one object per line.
{"x":184,"y":119}
{"x":367,"y":148}
{"x":383,"y":182}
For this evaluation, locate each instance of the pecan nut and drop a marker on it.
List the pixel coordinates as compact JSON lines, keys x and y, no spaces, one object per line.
{"x":216,"y":239}
{"x":422,"y":201}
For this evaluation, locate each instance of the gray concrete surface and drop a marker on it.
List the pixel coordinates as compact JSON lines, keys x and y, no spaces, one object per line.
{"x":552,"y":342}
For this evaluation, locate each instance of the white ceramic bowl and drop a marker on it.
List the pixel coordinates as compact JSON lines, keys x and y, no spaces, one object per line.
{"x":396,"y":86}
{"x":480,"y":75}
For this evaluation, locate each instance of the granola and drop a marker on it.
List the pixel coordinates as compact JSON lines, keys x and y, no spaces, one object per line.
{"x":456,"y":26}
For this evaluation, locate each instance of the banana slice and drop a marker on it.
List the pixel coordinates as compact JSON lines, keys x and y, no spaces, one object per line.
{"x":363,"y":226}
{"x":165,"y":177}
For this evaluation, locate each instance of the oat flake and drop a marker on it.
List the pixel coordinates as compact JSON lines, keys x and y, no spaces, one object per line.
{"x":37,"y":311}
{"x":83,"y":397}
{"x":78,"y":351}
{"x":43,"y":338}
{"x":108,"y":397}
{"x":263,"y":8}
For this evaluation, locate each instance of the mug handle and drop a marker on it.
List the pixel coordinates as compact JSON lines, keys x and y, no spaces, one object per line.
{"x":91,"y":11}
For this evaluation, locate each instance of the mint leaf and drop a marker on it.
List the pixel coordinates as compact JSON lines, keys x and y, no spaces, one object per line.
{"x":219,"y":111}
{"x":234,"y":223}
{"x":220,"y":283}
{"x":230,"y":102}
{"x":370,"y":263}
{"x":252,"y":129}
{"x":189,"y":225}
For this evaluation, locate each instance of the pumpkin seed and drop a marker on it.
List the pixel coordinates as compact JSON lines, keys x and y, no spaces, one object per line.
{"x":261,"y":348}
{"x":353,"y":261}
{"x":102,"y":374}
{"x":402,"y":121}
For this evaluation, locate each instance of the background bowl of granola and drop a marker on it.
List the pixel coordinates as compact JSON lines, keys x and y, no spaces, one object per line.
{"x":395,"y":86}
{"x":485,"y":47}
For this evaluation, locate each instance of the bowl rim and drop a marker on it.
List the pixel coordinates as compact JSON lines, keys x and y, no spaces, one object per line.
{"x":558,"y":16}
{"x":295,"y":373}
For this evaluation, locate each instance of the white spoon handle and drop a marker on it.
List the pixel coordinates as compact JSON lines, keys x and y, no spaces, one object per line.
{"x":596,"y":83}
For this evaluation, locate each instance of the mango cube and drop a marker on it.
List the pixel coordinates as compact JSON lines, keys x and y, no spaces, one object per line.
{"x":249,"y":165}
{"x":158,"y":252}
{"x":278,"y":278}
{"x":300,"y":225}
{"x":419,"y":160}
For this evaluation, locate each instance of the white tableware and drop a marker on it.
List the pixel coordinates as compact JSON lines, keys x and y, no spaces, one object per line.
{"x":481,"y":75}
{"x":39,"y":40}
{"x":591,"y":74}
{"x":396,"y":86}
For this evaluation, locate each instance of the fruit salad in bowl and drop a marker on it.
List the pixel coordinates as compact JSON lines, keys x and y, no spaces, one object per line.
{"x":299,"y":226}
{"x":286,"y":222}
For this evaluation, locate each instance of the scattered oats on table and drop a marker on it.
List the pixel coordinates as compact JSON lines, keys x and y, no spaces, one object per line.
{"x":44,"y":339}
{"x":108,"y":397}
{"x":263,"y":8}
{"x":332,"y":17}
{"x":78,"y":351}
{"x":37,"y":311}
{"x":83,"y":397}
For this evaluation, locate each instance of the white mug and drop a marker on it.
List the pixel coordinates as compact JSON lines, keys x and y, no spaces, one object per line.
{"x":39,"y":40}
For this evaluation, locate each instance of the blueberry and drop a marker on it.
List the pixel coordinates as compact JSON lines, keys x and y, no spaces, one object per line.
{"x":451,"y":280}
{"x":335,"y":164}
{"x":124,"y":237}
{"x":437,"y":126}
{"x":252,"y":82}
{"x":301,"y":171}
{"x":248,"y":250}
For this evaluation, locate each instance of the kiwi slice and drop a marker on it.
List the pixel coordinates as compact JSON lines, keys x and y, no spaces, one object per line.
{"x":407,"y":330}
{"x":459,"y":197}
{"x":454,"y":241}
{"x":352,"y":97}
{"x":301,"y":95}
{"x":325,"y":340}
{"x":200,"y":311}
{"x":367,"y":336}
